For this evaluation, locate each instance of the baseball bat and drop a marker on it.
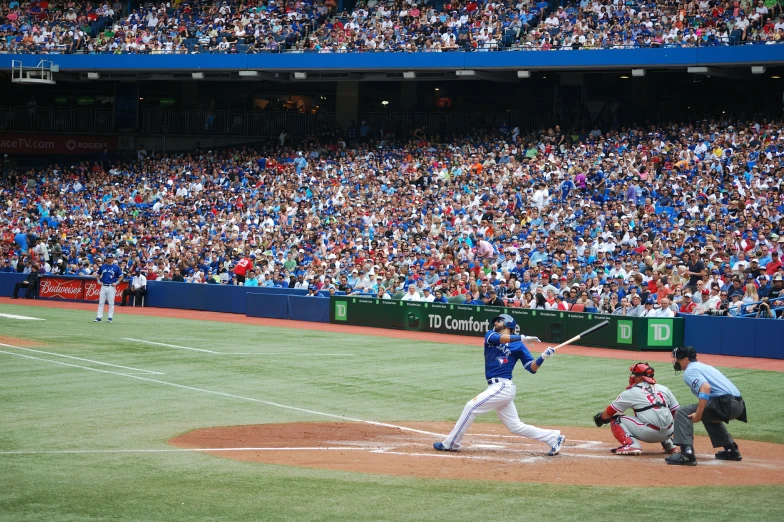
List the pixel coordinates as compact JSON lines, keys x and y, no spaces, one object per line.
{"x":589,"y":331}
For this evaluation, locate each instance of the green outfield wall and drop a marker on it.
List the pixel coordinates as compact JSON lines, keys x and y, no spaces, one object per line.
{"x":627,"y":333}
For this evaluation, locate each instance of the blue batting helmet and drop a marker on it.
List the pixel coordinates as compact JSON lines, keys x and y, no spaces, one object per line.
{"x":508,"y":320}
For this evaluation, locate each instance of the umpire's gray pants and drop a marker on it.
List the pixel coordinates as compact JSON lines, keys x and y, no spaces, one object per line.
{"x":717,"y":430}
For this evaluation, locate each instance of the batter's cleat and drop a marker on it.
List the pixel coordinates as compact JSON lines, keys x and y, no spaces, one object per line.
{"x":668,"y":447}
{"x":440,"y":447}
{"x":97,"y":320}
{"x":729,"y":454}
{"x":109,"y":320}
{"x":627,"y":450}
{"x":555,"y":450}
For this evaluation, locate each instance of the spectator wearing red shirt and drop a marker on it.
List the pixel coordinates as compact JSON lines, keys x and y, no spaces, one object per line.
{"x":242,"y":267}
{"x":688,"y":305}
{"x":774,"y":265}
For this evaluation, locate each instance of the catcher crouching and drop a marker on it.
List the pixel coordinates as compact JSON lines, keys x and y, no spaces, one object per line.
{"x":653,"y":405}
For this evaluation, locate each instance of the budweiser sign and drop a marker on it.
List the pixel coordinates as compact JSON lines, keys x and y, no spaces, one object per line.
{"x":92,"y":291}
{"x":61,"y":288}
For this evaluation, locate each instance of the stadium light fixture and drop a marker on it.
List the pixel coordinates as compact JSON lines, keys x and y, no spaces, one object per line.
{"x":638,"y":72}
{"x":467,"y":72}
{"x":248,"y":74}
{"x":93,"y":75}
{"x":197,"y":75}
{"x":758,"y":69}
{"x":523,"y":74}
{"x":409,"y":75}
{"x":300,"y":75}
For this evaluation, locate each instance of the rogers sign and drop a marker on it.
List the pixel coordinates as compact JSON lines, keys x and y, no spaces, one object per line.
{"x":55,"y":144}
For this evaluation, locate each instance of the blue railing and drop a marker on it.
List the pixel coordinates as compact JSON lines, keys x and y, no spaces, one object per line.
{"x":756,"y":311}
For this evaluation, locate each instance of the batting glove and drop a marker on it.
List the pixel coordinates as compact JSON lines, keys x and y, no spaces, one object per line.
{"x":526,"y":339}
{"x":548,"y":353}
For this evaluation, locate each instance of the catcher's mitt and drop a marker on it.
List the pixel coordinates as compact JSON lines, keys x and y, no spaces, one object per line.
{"x":599,"y":421}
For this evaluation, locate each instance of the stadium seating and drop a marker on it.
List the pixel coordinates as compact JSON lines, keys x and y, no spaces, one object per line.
{"x":619,"y":228}
{"x":220,"y":27}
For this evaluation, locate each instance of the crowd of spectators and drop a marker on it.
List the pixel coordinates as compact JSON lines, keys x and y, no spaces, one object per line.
{"x":640,"y":220}
{"x":377,"y":25}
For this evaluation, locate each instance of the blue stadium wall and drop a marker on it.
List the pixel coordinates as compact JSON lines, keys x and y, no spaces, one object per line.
{"x":713,"y":335}
{"x":539,"y":60}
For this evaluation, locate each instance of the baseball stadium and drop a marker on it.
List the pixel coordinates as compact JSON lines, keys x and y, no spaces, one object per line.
{"x":399,"y":260}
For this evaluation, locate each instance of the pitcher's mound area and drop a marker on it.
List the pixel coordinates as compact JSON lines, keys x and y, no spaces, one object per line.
{"x":489,"y":453}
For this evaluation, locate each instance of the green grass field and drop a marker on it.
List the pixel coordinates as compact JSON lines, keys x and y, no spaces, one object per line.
{"x":54,"y":407}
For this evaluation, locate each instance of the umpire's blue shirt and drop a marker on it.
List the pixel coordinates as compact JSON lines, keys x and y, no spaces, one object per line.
{"x":500,"y":359}
{"x":697,"y":374}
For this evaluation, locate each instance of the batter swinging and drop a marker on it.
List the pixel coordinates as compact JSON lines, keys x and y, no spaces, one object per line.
{"x":502,"y":351}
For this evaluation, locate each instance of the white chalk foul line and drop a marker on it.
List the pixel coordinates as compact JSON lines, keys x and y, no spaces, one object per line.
{"x":172,"y":346}
{"x":179,"y":347}
{"x":136,"y":370}
{"x":178,"y":450}
{"x":21,"y":317}
{"x":230,"y":395}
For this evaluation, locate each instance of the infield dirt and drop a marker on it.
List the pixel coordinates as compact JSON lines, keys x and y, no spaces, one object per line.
{"x":489,"y":453}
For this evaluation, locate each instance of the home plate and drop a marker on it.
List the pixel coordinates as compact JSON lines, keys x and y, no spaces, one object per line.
{"x":21,"y":317}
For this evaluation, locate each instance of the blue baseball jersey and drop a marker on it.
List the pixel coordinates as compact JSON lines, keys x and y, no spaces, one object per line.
{"x":697,"y":374}
{"x":500,"y":359}
{"x":109,"y":274}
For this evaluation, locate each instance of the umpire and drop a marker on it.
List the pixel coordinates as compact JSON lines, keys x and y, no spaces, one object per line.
{"x":719,"y":402}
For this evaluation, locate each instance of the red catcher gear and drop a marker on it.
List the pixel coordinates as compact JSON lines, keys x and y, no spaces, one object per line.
{"x":641,"y":369}
{"x":620,"y":434}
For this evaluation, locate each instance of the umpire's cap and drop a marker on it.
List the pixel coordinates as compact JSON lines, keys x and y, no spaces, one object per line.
{"x":508,"y":320}
{"x":685,"y":351}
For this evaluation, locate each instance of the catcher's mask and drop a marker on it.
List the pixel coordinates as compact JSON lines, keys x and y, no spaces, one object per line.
{"x":641,"y":369}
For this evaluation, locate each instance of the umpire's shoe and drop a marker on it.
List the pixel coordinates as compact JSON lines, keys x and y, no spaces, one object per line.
{"x":684,"y":458}
{"x":730,"y":453}
{"x":440,"y":447}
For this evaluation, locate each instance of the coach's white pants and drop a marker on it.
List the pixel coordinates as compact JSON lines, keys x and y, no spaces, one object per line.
{"x":107,"y":294}
{"x":499,"y":397}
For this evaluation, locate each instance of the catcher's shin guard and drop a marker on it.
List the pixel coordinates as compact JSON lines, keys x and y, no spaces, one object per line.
{"x":620,"y":434}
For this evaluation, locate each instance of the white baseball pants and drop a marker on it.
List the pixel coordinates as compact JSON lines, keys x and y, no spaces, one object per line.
{"x":499,"y":397}
{"x":640,"y":431}
{"x":107,"y":294}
